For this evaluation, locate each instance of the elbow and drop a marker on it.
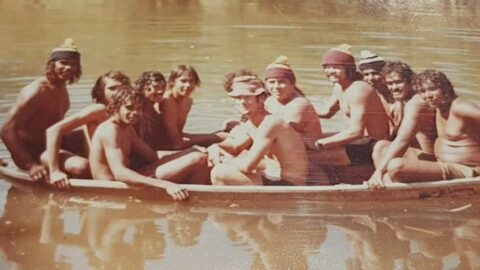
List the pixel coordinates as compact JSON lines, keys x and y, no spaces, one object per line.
{"x":4,"y":133}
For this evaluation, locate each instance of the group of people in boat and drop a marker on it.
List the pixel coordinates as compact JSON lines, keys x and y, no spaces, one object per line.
{"x":411,"y":127}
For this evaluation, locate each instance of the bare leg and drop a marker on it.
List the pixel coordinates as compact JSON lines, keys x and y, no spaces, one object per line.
{"x":73,"y":165}
{"x":181,"y":167}
{"x":205,"y":139}
{"x":379,"y":151}
{"x":411,"y":170}
{"x":224,"y":174}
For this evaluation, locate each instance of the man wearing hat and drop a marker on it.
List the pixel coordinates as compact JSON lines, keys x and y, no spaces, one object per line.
{"x":370,"y":66}
{"x":40,"y":104}
{"x":362,"y":107}
{"x":266,"y":140}
{"x":287,"y":101}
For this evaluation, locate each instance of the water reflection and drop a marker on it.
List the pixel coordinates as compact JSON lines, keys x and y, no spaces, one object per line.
{"x":50,"y":231}
{"x":42,"y":230}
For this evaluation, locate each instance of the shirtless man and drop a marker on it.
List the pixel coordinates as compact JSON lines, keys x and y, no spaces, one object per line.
{"x":62,"y":163}
{"x":370,"y":66}
{"x":286,"y":102}
{"x":367,"y":121}
{"x":114,"y":141}
{"x":457,"y":147}
{"x":177,"y":104}
{"x":151,"y":128}
{"x":40,"y":104}
{"x":267,"y":138}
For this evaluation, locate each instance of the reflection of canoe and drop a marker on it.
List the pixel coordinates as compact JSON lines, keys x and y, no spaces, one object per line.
{"x":340,"y":192}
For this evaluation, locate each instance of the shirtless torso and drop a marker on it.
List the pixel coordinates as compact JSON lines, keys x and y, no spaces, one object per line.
{"x":39,"y":105}
{"x":458,"y":136}
{"x":300,"y":114}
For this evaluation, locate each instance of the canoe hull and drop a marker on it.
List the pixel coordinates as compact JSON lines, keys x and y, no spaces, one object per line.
{"x":461,"y":188}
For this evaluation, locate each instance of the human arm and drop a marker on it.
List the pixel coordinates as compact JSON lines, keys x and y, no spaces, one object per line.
{"x":55,"y":134}
{"x":467,"y":110}
{"x":237,"y":141}
{"x":264,"y":138}
{"x":117,"y":163}
{"x":356,"y":123}
{"x":24,"y":109}
{"x":406,"y":133}
{"x":331,"y":107}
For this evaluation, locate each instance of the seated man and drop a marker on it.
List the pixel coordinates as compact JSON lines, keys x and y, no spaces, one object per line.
{"x":115,"y":140}
{"x":362,"y":107}
{"x":457,"y":148}
{"x":41,"y":104}
{"x":63,"y":163}
{"x":371,"y":65}
{"x":268,"y":139}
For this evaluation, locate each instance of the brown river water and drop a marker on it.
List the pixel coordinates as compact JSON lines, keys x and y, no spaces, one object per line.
{"x":43,"y":230}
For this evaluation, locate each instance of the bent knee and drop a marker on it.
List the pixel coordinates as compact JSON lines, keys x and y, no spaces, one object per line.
{"x":396,"y":169}
{"x":219,"y":175}
{"x":77,"y":167}
{"x":379,"y":149}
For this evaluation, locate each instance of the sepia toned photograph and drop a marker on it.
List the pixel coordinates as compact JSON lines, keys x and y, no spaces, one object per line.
{"x":240,"y":134}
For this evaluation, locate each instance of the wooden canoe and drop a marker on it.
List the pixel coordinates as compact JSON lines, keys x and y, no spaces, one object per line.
{"x":340,"y":192}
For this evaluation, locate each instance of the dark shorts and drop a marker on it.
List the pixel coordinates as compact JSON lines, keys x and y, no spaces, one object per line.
{"x":360,"y":153}
{"x":269,"y":182}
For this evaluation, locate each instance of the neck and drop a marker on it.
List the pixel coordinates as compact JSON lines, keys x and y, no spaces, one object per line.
{"x":289,"y":98}
{"x":117,"y":121}
{"x":257,"y":117}
{"x":344,"y":84}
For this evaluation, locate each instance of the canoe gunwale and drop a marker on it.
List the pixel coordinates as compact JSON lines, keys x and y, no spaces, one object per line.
{"x":395,"y":191}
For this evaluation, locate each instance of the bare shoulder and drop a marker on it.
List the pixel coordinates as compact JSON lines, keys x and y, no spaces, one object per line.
{"x":35,"y":88}
{"x":464,"y":107}
{"x":300,"y":103}
{"x":417,"y":104}
{"x":271,"y":122}
{"x":360,"y":89}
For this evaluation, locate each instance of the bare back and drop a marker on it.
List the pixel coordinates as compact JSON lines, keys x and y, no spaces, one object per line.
{"x":459,"y":133}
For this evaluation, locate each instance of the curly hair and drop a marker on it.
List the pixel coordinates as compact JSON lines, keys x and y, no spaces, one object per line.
{"x":98,"y":90}
{"x":401,"y":68}
{"x":438,"y":78}
{"x":123,"y":94}
{"x":174,"y":74}
{"x":147,"y":78}
{"x":51,"y":76}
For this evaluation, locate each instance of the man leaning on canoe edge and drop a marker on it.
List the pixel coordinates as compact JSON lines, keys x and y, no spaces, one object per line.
{"x":410,"y":127}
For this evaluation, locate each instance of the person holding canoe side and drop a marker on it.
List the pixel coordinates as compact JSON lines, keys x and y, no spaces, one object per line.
{"x":363,"y":109}
{"x":62,"y":163}
{"x":457,"y":148}
{"x":115,"y":139}
{"x":267,"y":139}
{"x":176,"y":105}
{"x":417,"y":130}
{"x":39,"y":105}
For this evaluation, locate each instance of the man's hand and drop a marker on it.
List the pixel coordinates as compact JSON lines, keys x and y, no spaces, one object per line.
{"x":215,"y":155}
{"x":177,"y":192}
{"x":38,"y":172}
{"x":318,"y":145}
{"x":376,"y":180}
{"x":59,"y":180}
